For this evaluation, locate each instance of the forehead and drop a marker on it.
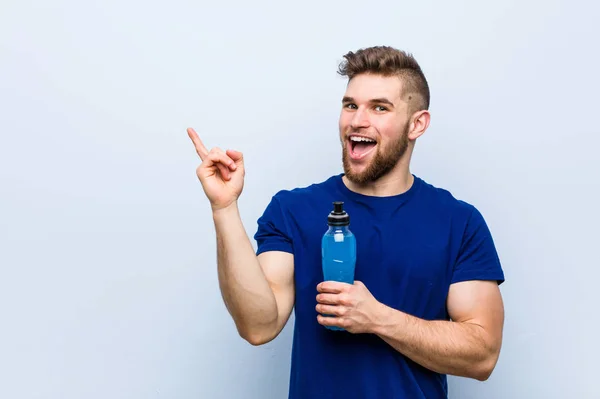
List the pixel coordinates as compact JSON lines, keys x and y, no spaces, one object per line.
{"x":367,"y":86}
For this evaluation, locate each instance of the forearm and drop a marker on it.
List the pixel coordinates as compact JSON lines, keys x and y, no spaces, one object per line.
{"x":446,"y":347}
{"x":244,"y":287}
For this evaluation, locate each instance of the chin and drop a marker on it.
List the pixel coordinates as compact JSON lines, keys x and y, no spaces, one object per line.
{"x":357,"y":174}
{"x":370,"y":169}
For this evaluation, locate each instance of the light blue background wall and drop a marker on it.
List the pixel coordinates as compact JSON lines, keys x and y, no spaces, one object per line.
{"x":108,"y":285}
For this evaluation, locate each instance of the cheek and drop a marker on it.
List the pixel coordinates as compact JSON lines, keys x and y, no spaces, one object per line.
{"x":389,"y":131}
{"x":345,"y":120}
{"x":342,"y":124}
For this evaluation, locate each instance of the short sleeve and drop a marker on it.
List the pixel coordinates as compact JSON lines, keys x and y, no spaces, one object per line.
{"x":477,"y":257}
{"x":272,"y":233}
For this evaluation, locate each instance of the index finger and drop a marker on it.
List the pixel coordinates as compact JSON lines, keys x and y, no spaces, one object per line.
{"x":332,"y":287}
{"x":200,"y":148}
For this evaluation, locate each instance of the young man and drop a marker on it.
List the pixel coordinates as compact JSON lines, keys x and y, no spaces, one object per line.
{"x":426,"y":301}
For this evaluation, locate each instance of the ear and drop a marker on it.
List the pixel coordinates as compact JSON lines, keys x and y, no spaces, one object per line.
{"x":419,"y":123}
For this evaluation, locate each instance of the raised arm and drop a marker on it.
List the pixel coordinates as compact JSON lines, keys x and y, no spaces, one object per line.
{"x":258,"y":291}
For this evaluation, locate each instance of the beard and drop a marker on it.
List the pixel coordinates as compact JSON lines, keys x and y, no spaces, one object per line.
{"x":382,"y":163}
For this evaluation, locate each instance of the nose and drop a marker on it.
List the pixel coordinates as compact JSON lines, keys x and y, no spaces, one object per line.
{"x":360,"y":120}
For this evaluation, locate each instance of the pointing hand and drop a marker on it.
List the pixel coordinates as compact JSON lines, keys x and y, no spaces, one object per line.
{"x":221,"y":173}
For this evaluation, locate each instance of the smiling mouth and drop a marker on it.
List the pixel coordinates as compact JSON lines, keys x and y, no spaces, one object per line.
{"x":360,"y":146}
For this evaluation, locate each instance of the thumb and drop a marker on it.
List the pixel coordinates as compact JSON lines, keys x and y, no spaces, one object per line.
{"x":236,"y":156}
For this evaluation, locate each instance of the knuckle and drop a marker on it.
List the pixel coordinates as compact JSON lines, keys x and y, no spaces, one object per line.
{"x":345,"y":299}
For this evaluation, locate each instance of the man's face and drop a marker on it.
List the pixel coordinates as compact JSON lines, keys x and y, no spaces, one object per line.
{"x":373,"y":127}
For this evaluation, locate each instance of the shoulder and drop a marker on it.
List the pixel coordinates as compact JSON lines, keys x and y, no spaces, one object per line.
{"x":306,"y":194}
{"x":467,"y":224}
{"x":442,"y":202}
{"x":296,"y":206}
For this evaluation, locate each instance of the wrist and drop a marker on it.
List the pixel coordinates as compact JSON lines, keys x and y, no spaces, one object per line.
{"x":225,"y":212}
{"x":387,"y":321}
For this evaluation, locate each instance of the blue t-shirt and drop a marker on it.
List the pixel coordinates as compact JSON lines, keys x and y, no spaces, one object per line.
{"x":410,"y":248}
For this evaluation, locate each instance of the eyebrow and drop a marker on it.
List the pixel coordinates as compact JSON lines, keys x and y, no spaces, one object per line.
{"x":381,"y":100}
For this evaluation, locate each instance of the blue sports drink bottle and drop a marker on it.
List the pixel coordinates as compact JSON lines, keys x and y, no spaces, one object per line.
{"x":338,"y":248}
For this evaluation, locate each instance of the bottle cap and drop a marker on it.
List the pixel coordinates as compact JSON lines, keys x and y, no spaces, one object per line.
{"x":338,"y":217}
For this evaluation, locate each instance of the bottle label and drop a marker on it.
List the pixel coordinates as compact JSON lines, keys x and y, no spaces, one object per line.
{"x":338,"y":237}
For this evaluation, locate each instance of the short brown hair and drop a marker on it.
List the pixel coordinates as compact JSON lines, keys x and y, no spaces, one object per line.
{"x":388,"y":61}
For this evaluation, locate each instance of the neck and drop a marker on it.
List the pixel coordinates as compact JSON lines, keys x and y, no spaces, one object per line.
{"x":399,"y":180}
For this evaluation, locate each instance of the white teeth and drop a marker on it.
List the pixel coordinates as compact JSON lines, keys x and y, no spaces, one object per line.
{"x":356,"y":138}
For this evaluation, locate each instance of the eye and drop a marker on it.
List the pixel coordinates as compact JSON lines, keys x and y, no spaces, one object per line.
{"x":380,"y":108}
{"x":350,"y":106}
